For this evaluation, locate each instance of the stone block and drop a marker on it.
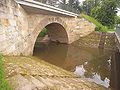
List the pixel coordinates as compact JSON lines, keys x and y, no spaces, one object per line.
{"x":3,"y":15}
{"x":10,"y":16}
{"x":3,"y":46}
{"x":4,"y":22}
{"x":10,"y":29}
{"x":2,"y":37}
{"x":12,"y":22}
{"x":2,"y":31}
{"x":11,"y":48}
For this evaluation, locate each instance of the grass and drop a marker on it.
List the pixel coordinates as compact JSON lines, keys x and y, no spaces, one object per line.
{"x":99,"y":26}
{"x":3,"y":82}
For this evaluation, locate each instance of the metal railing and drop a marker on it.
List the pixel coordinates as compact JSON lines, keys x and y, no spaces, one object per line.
{"x":59,"y":5}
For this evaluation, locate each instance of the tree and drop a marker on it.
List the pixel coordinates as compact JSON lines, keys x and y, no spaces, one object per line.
{"x":118,"y":3}
{"x":44,"y":1}
{"x":117,"y":20}
{"x":64,"y":1}
{"x":97,"y":3}
{"x":62,"y":4}
{"x":52,"y":2}
{"x":75,"y":4}
{"x":105,"y":13}
{"x":88,"y":5}
{"x":71,"y":2}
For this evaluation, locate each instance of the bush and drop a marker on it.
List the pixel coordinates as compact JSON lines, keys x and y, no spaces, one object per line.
{"x":3,"y":82}
{"x":117,"y":20}
{"x":43,"y":32}
{"x":99,"y":26}
{"x":105,"y":13}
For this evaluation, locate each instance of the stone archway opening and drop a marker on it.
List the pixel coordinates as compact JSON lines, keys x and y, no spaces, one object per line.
{"x":53,"y":32}
{"x":57,"y":33}
{"x":48,"y":45}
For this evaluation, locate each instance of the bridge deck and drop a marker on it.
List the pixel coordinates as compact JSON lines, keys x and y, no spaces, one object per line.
{"x":38,"y":7}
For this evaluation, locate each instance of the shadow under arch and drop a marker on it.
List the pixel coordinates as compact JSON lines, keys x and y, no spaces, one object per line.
{"x":57,"y":33}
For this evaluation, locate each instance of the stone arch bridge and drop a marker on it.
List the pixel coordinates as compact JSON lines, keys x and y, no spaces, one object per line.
{"x":21,"y":21}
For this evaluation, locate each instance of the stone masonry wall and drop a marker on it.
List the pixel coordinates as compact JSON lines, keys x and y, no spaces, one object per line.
{"x":13,"y":27}
{"x":97,"y":40}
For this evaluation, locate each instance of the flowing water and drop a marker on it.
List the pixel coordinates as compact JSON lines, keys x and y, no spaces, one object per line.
{"x":96,"y":65}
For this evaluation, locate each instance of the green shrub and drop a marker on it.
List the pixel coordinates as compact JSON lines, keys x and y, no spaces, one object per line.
{"x":43,"y":32}
{"x":3,"y":82}
{"x":99,"y":26}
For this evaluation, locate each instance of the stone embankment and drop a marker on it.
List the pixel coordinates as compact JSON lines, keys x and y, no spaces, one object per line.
{"x":30,"y":73}
{"x":103,"y":40}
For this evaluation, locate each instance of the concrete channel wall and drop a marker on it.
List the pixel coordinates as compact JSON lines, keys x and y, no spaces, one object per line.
{"x":117,"y":39}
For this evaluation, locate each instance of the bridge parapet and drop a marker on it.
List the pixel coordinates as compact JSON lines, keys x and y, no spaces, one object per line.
{"x":66,"y":10}
{"x":59,"y":5}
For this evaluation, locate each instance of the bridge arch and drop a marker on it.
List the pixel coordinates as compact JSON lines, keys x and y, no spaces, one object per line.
{"x":57,"y":30}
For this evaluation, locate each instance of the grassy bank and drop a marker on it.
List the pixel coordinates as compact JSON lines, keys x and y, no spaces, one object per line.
{"x":3,"y":82}
{"x":99,"y":26}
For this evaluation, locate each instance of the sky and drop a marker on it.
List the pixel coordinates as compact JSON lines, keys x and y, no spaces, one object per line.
{"x":118,"y":12}
{"x":81,"y":0}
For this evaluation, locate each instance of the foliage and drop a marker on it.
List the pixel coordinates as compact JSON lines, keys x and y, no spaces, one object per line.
{"x":117,"y":20}
{"x":75,"y":4}
{"x":105,"y":13}
{"x":64,"y":1}
{"x":43,"y":32}
{"x":118,"y":3}
{"x":50,"y":2}
{"x":3,"y":83}
{"x":70,"y":5}
{"x":99,"y":26}
{"x":88,"y":5}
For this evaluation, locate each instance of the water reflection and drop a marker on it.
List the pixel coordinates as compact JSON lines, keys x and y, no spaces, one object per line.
{"x":89,"y":63}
